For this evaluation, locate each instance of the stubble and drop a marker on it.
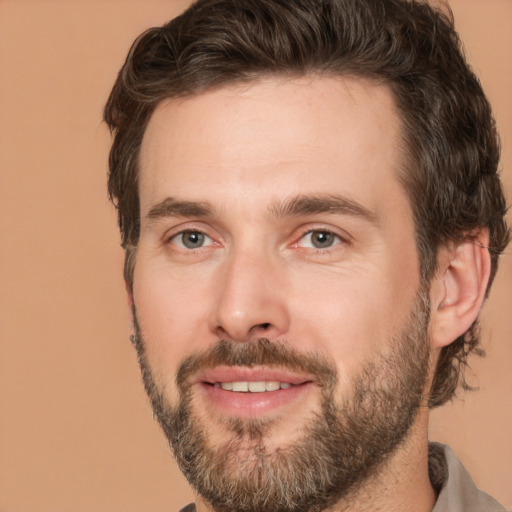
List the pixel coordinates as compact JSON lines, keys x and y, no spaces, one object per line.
{"x":341,"y":446}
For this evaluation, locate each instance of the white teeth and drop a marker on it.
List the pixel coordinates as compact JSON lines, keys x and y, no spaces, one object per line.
{"x":273,"y":385}
{"x":257,"y":387}
{"x":253,"y":387}
{"x":241,"y":386}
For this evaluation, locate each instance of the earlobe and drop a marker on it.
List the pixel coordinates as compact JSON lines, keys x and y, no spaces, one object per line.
{"x":458,"y":289}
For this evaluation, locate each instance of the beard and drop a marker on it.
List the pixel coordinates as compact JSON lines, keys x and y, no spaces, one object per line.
{"x":340,"y":447}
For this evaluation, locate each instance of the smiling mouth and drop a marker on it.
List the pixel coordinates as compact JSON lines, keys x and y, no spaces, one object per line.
{"x":251,"y":392}
{"x":253,"y":387}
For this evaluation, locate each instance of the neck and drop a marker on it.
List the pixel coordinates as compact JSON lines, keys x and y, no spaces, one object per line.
{"x":402,"y":483}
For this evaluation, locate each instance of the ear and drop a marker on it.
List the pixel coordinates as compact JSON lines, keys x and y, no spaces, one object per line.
{"x":129,"y":294}
{"x":129,"y":299}
{"x":128,"y":271}
{"x":458,"y":289}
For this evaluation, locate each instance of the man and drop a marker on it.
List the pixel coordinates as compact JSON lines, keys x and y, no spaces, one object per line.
{"x":309,"y":202}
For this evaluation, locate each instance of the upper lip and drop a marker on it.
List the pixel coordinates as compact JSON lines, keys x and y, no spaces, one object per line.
{"x":246,"y":374}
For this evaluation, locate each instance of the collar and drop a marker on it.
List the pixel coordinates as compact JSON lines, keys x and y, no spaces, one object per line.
{"x":457,"y":492}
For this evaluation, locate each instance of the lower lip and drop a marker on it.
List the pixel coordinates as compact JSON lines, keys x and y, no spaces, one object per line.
{"x":250,"y":405}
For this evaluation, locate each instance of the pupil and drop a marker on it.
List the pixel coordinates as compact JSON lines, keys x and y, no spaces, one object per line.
{"x":322,"y":239}
{"x":193,"y":240}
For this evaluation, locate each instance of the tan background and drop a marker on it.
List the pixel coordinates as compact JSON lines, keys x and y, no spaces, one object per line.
{"x":76,"y":433}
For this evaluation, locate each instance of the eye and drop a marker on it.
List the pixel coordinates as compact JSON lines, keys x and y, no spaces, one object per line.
{"x":191,"y":240}
{"x":319,"y":239}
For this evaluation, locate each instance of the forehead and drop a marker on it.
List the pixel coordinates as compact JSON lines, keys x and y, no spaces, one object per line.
{"x":273,"y":136}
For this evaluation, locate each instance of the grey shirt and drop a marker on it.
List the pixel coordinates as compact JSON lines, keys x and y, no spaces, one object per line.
{"x":457,"y":491}
{"x":455,"y":488}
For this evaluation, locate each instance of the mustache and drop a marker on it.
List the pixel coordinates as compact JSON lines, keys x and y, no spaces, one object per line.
{"x":258,"y":352}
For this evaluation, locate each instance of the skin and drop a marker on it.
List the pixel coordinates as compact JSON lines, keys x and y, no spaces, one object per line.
{"x":244,"y":152}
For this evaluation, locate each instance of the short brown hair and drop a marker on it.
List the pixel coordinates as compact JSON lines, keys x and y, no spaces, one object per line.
{"x":452,"y":146}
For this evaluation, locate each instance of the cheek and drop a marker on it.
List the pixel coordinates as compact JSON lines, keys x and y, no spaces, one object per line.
{"x":172,"y":312}
{"x":351,"y":317}
{"x":342,"y":324}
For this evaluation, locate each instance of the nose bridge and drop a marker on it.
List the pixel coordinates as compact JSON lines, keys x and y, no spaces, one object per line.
{"x":250,"y":299}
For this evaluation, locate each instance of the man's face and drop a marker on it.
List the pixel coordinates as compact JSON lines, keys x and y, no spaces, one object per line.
{"x":277,"y":286}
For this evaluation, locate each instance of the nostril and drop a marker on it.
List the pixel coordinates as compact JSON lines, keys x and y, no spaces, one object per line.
{"x":265,"y":326}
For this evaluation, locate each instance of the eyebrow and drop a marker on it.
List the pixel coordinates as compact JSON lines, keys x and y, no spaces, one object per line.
{"x":171,"y":207}
{"x":303,"y":205}
{"x":298,"y":206}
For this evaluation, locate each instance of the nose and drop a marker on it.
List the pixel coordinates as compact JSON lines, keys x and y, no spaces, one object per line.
{"x":251,"y":300}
